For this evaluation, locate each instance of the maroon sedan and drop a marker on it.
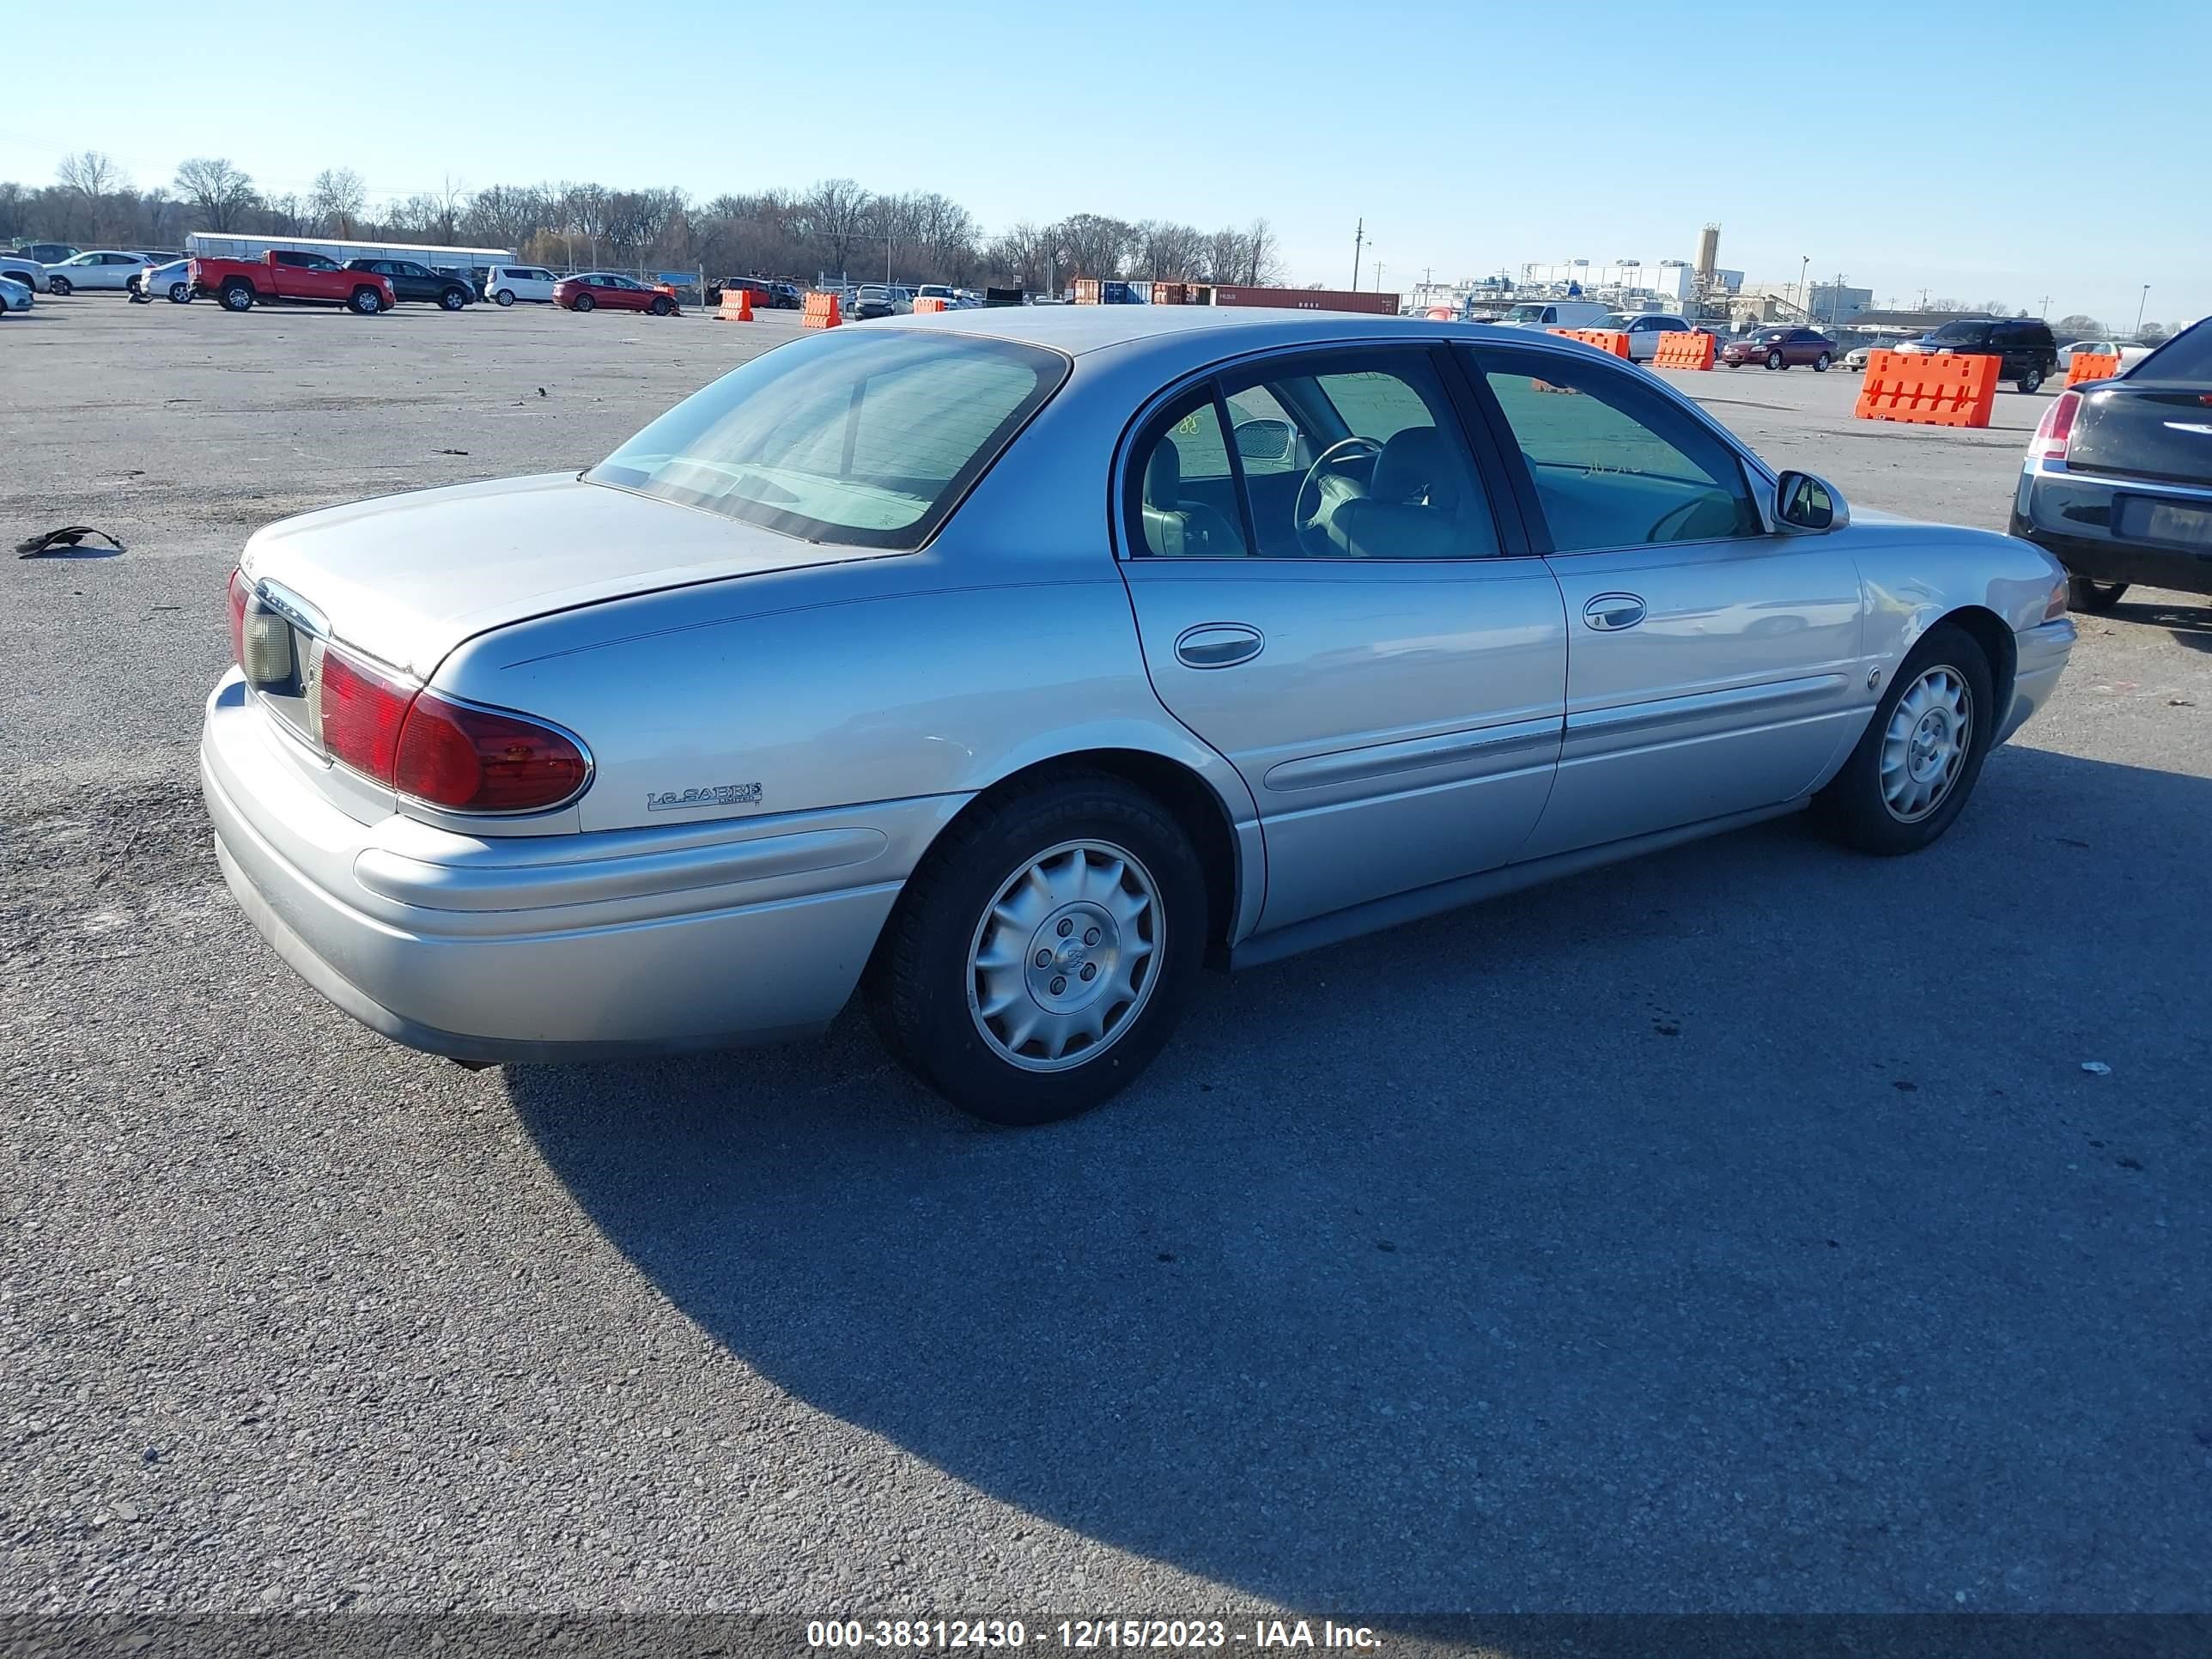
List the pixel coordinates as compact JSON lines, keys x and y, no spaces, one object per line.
{"x":593,"y":289}
{"x":1781,"y":348}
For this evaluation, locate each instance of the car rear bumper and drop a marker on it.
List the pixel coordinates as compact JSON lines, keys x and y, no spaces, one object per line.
{"x":554,"y":947}
{"x":2070,"y":516}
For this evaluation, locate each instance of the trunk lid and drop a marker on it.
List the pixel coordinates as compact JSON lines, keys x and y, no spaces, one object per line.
{"x":2144,"y":431}
{"x":407,"y":577}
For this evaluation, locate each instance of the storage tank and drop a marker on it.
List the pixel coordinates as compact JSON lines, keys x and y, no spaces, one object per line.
{"x":1708,"y":254}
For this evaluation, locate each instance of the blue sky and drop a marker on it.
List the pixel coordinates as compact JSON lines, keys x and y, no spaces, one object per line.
{"x":1976,"y":149}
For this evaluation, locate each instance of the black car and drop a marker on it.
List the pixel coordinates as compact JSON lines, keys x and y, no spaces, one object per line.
{"x":2029,"y":354}
{"x":2119,"y":481}
{"x":410,"y":281}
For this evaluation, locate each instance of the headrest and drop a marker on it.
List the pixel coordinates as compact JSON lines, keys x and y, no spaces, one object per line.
{"x":1164,"y":477}
{"x":1415,"y":466}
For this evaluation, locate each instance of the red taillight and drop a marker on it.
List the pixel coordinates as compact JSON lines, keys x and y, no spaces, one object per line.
{"x":473,"y":760}
{"x":2056,"y":428}
{"x":239,"y":593}
{"x":458,"y":757}
{"x":361,"y":713}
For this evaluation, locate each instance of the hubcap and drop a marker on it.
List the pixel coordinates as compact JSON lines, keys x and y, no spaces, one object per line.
{"x":1925,"y":745}
{"x":1067,"y":956}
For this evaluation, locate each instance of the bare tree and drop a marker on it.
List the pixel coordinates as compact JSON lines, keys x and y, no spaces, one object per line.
{"x":834,"y":215}
{"x":337,"y":198}
{"x":286,"y":215}
{"x":14,"y":211}
{"x":1263,"y":259}
{"x":507,"y":214}
{"x":2078,"y":325}
{"x":223,"y":194}
{"x":91,"y":174}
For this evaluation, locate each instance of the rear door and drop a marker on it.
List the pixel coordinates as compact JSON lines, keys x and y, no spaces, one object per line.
{"x":1712,"y":667}
{"x":1326,"y":595}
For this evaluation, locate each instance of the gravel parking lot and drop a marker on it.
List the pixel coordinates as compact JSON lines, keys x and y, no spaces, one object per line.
{"x":1738,"y":1228}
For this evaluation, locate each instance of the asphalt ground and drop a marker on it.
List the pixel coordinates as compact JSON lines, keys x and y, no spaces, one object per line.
{"x":1736,"y":1230}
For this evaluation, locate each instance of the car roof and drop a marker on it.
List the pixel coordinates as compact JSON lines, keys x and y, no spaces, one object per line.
{"x":1075,"y":329}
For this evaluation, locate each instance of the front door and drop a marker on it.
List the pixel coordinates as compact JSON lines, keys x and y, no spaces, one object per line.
{"x":1713,"y":668}
{"x":1325,"y":595}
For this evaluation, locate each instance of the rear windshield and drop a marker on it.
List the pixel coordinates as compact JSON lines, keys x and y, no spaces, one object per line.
{"x":2185,"y":360}
{"x":866,"y":438}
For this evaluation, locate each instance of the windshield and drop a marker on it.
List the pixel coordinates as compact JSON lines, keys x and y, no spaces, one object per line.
{"x":1961,"y":331}
{"x":865,"y":439}
{"x":2186,"y":359}
{"x":1613,"y":321}
{"x":1526,"y":313}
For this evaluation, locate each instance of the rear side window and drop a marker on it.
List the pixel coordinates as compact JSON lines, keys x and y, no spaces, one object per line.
{"x":1616,"y":464}
{"x":857,"y":438}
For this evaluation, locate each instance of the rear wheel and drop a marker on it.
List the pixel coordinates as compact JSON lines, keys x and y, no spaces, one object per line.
{"x":181,"y":293}
{"x":1038,"y":959}
{"x":238,"y":295}
{"x":1920,"y":754}
{"x":2031,"y":381}
{"x":2083,"y":595}
{"x":583,"y":302}
{"x":366,"y":301}
{"x":505,"y":296}
{"x":660,"y":306}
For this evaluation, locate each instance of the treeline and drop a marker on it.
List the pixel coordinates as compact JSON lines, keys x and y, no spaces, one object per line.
{"x":832,"y":226}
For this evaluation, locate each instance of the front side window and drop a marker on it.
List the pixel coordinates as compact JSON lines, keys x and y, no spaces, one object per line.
{"x":1339,"y":455}
{"x":857,"y":438}
{"x":1613,"y":464}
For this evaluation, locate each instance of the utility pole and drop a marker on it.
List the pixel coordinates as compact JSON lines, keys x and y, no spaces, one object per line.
{"x":2043,"y":306}
{"x":2140,"y":304}
{"x":1804,"y":298}
{"x":1358,"y":241}
{"x":1378,"y":275}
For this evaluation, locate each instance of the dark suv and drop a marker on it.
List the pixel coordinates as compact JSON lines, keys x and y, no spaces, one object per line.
{"x":412,"y":281}
{"x":2029,"y":354}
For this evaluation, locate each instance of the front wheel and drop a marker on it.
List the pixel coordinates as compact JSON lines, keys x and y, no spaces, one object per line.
{"x":454,"y":298}
{"x":367,"y":301}
{"x":2083,"y":595}
{"x":505,"y":296}
{"x":1820,"y":364}
{"x":1037,"y":961}
{"x":1920,"y":754}
{"x":60,"y":286}
{"x":582,"y":302}
{"x":660,"y":306}
{"x":1775,"y":359}
{"x":2031,"y":381}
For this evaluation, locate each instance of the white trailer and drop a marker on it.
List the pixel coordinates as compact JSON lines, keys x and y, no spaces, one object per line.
{"x":468,"y":261}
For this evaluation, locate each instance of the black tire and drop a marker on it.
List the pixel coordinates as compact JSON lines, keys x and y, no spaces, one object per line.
{"x":505,"y":296}
{"x":2031,"y":381}
{"x":454,"y":299}
{"x":238,"y":295}
{"x":2083,"y":595}
{"x":60,"y":287}
{"x":1775,"y":359}
{"x":1820,"y":364}
{"x":660,"y":306}
{"x":921,"y":989}
{"x":366,"y":301}
{"x":181,"y":293}
{"x":582,"y":302}
{"x":1852,"y":807}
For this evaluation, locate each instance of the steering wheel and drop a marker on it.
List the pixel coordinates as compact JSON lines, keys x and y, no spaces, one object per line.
{"x":1659,"y":530}
{"x":1302,"y":524}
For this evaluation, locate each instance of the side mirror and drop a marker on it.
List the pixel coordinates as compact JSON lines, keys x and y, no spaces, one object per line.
{"x":1267,"y":441}
{"x":1808,"y":504}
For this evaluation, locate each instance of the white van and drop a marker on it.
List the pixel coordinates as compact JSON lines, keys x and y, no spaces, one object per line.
{"x":507,"y":283}
{"x":1556,"y":314}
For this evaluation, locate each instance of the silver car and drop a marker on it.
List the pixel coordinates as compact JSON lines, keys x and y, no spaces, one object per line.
{"x":1009,"y":666}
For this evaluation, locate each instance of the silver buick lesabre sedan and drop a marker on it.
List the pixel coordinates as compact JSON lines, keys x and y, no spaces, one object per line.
{"x":1007,"y":666}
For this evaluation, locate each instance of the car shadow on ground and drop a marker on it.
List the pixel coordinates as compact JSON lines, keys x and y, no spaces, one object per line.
{"x":2184,"y":616}
{"x":1734,"y":1228}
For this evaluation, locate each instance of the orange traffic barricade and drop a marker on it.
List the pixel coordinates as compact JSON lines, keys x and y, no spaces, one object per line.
{"x":2092,"y":365}
{"x":737,"y":305}
{"x":932,"y":302}
{"x":1681,"y":350}
{"x":1929,"y":388}
{"x":819,"y":310}
{"x":1605,"y":339}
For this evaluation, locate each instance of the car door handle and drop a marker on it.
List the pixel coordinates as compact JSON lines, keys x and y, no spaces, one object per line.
{"x":1218,"y":645}
{"x":1610,"y":612}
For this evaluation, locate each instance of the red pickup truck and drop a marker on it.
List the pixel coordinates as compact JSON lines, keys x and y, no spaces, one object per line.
{"x":282,"y":273}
